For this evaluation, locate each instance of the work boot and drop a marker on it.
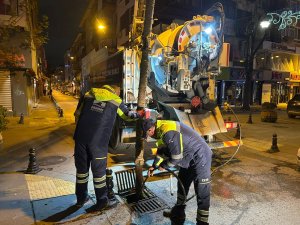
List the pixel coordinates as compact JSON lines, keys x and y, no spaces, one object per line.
{"x":80,"y":203}
{"x":176,"y":214}
{"x":201,"y":223}
{"x":100,"y":207}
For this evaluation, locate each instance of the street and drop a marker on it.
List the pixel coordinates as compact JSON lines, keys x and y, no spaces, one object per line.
{"x":255,"y":187}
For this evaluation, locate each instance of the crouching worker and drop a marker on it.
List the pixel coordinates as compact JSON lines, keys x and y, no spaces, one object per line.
{"x":182,"y":146}
{"x":97,"y":115}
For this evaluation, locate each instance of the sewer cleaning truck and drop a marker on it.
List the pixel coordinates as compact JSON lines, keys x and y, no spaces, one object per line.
{"x":183,"y":63}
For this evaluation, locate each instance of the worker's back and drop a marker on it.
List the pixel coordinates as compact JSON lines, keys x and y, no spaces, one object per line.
{"x":96,"y":121}
{"x":194,"y":146}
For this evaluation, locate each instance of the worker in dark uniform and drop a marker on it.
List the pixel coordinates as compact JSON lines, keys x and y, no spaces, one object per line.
{"x":180,"y":145}
{"x":97,"y":113}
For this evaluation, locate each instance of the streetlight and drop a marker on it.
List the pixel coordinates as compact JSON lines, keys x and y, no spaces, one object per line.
{"x":100,"y":25}
{"x":265,"y":24}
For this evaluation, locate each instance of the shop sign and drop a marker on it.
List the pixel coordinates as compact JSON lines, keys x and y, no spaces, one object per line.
{"x":279,"y":47}
{"x":295,"y":77}
{"x":280,"y":76}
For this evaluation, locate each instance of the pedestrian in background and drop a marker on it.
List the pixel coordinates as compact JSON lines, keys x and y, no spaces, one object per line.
{"x":180,"y":145}
{"x":97,"y":113}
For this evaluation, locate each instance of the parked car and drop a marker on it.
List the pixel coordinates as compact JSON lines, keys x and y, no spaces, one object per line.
{"x":293,"y":107}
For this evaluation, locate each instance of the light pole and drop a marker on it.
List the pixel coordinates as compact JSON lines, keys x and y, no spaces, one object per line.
{"x":251,"y":31}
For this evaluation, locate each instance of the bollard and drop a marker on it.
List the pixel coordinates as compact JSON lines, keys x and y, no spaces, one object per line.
{"x":110,"y":185}
{"x":274,"y":147}
{"x":33,"y":167}
{"x":21,"y":121}
{"x":238,"y":132}
{"x":250,"y":118}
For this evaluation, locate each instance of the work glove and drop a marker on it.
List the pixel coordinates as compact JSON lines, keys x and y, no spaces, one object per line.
{"x":133,"y":115}
{"x":141,"y":113}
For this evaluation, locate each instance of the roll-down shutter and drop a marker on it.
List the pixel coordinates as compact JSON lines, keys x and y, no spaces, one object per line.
{"x":5,"y":90}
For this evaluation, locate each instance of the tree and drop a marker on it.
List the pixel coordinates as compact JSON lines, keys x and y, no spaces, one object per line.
{"x":252,"y":30}
{"x":139,"y":147}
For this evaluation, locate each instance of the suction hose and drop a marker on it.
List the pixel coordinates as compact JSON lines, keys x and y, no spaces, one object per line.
{"x":179,"y":182}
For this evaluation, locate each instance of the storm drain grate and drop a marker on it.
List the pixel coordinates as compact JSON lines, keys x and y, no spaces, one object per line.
{"x":125,"y":181}
{"x":148,"y":205}
{"x":126,"y":189}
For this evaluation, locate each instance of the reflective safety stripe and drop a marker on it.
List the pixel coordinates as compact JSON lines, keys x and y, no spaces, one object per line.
{"x":82,"y":174}
{"x":203,"y":219}
{"x":100,"y":185}
{"x":170,"y":164}
{"x":202,"y":212}
{"x":202,"y":215}
{"x":123,"y":116}
{"x":116,"y":102}
{"x":179,"y":156}
{"x":82,"y":181}
{"x":159,"y":161}
{"x":181,"y":144}
{"x":204,"y":181}
{"x":100,"y":179}
{"x":101,"y":158}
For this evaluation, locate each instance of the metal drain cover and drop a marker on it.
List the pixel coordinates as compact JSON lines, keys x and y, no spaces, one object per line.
{"x":126,"y":189}
{"x":148,"y":205}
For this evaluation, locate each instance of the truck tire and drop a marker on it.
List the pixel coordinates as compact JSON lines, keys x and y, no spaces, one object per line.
{"x":115,"y":140}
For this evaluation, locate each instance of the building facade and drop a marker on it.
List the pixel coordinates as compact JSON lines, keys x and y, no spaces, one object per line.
{"x":124,"y":25}
{"x":20,"y":70}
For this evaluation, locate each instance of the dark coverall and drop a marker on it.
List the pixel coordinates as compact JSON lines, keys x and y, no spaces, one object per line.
{"x":184,"y":147}
{"x":98,"y":111}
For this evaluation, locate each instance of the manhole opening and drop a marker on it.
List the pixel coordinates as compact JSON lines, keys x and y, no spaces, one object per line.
{"x":147,"y":203}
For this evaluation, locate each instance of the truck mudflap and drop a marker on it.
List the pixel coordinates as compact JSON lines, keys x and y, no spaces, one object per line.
{"x":224,"y":144}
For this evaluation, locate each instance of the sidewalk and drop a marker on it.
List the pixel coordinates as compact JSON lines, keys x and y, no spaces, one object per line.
{"x":47,"y":197}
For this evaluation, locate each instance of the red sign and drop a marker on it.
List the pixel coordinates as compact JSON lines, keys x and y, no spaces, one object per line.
{"x":295,"y":77}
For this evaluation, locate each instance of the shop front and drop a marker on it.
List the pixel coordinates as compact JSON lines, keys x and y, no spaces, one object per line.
{"x":230,"y":86}
{"x":275,"y":86}
{"x":294,"y":85}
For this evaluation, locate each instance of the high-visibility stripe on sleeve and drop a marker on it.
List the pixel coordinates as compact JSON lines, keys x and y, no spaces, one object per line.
{"x":116,"y":102}
{"x":159,"y":161}
{"x":179,"y":156}
{"x":170,"y":164}
{"x":123,"y":116}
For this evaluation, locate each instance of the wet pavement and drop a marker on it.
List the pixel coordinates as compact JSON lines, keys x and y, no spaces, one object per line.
{"x":255,"y":187}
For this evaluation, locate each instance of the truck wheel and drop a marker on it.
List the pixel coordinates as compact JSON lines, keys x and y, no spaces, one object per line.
{"x":115,"y":140}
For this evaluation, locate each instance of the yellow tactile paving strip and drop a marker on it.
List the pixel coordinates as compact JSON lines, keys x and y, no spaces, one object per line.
{"x":41,"y":187}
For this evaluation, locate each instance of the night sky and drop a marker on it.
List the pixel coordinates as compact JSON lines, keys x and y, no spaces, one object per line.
{"x":64,"y":18}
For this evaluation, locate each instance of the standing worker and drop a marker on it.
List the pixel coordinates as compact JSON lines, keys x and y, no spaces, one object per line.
{"x":182,"y":146}
{"x":97,"y":113}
